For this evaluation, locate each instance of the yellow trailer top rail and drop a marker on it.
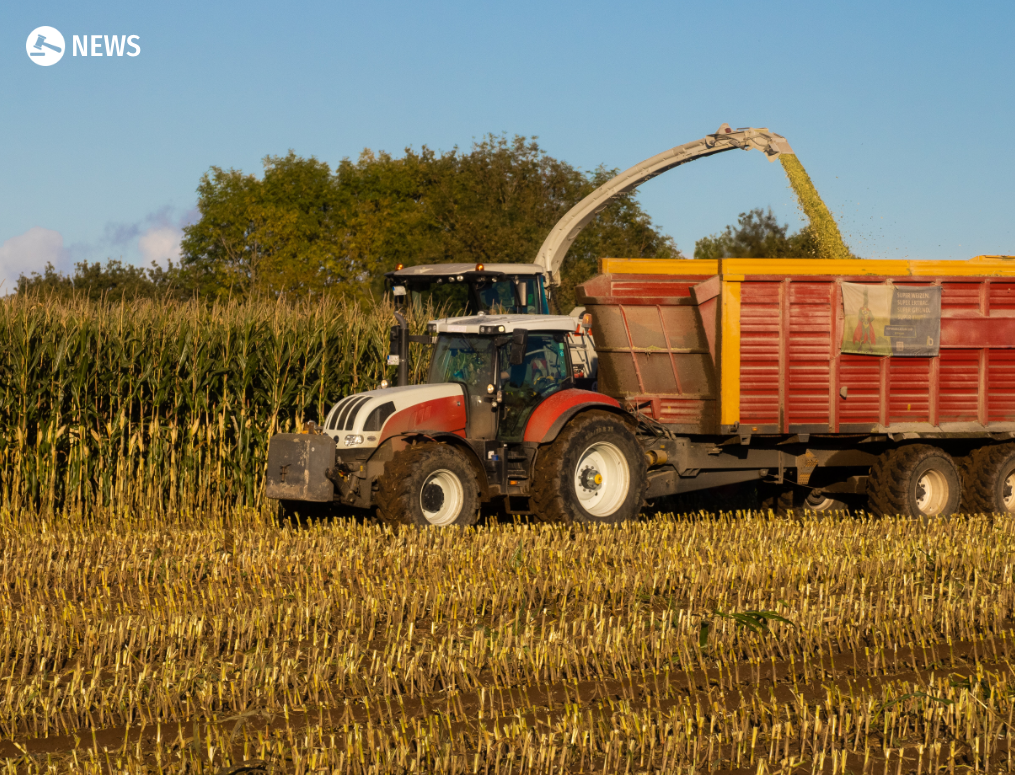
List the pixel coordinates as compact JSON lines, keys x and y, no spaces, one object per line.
{"x":980,"y":266}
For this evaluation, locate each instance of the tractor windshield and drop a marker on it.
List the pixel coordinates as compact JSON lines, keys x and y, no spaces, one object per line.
{"x":463,"y":358}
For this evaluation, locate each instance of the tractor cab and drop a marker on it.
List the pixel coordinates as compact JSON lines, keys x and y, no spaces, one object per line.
{"x":507,"y":365}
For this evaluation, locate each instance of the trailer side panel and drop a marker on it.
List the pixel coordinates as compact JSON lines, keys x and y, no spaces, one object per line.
{"x":778,"y":366}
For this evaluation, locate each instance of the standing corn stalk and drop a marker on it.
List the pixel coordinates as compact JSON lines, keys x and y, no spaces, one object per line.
{"x":170,"y":405}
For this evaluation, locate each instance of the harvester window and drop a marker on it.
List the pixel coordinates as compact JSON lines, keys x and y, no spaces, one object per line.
{"x":511,"y":295}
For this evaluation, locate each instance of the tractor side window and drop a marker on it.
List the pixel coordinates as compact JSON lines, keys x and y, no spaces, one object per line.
{"x":543,"y":372}
{"x":466,"y":359}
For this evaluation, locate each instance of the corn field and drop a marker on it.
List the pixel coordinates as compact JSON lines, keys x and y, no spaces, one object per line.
{"x":738,"y":643}
{"x":167,"y":405}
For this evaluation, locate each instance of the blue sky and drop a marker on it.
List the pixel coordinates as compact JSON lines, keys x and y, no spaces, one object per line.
{"x":899,"y":111}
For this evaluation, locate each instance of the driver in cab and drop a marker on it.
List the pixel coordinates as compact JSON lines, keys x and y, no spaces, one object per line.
{"x":524,"y":385}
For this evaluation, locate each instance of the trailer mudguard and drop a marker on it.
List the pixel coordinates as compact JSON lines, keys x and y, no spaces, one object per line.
{"x":296,"y":467}
{"x":553,"y":413}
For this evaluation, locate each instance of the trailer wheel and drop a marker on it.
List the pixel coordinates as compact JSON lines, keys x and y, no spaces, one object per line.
{"x":914,"y":481}
{"x":594,"y":471}
{"x":988,"y":480}
{"x":432,"y":485}
{"x":787,"y":501}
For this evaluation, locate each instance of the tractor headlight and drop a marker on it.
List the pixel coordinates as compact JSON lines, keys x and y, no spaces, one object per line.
{"x":353,"y":440}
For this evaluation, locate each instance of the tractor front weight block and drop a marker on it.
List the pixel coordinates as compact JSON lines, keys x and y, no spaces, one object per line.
{"x":298,"y":465}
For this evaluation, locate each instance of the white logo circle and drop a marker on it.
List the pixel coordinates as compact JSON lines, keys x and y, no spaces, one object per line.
{"x":45,"y":46}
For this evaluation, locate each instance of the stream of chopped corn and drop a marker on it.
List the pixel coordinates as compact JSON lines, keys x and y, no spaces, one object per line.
{"x":826,"y":231}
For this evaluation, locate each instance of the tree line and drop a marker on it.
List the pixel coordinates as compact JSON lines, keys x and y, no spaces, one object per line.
{"x":302,"y":228}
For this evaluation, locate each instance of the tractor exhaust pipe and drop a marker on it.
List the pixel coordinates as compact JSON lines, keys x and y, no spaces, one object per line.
{"x":398,"y":354}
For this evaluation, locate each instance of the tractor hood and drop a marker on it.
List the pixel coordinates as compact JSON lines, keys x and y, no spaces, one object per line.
{"x":367,"y":419}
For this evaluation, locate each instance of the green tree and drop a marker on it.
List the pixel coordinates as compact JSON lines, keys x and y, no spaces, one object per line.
{"x":302,"y":228}
{"x":114,"y":282}
{"x":274,"y":234}
{"x":758,"y":234}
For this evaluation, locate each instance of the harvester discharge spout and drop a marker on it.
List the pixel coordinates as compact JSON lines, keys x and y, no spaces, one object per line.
{"x":558,"y":242}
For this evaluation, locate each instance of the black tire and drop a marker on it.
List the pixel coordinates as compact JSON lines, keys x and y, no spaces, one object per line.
{"x":555,"y":493}
{"x":431,"y":485}
{"x":900,"y":480}
{"x":818,"y":502}
{"x":789,"y":501}
{"x":987,"y":479}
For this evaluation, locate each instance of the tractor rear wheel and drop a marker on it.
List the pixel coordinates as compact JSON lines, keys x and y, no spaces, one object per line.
{"x":988,"y":480}
{"x":917,"y":480}
{"x":594,"y":471}
{"x":431,"y":485}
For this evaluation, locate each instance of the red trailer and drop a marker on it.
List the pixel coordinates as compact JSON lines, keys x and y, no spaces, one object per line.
{"x":828,"y":379}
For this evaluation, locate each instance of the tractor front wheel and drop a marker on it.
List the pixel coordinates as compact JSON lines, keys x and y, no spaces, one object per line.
{"x":431,"y":485}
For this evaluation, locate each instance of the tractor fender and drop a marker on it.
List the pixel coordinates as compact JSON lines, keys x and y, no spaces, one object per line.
{"x":553,"y":414}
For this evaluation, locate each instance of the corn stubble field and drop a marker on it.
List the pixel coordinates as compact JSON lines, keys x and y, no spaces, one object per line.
{"x":193,"y":645}
{"x":157,"y":618}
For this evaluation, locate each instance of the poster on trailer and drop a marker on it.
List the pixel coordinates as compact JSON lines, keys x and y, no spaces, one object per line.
{"x":891,"y":320}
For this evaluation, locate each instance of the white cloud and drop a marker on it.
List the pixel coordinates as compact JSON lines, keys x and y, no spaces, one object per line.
{"x":29,"y":253}
{"x":160,"y":243}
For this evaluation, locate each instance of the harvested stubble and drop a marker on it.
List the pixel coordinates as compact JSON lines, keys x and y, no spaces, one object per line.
{"x":150,"y":644}
{"x":165,"y":405}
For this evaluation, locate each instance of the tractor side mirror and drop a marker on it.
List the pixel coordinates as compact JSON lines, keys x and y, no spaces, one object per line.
{"x":399,"y":296}
{"x":519,"y":344}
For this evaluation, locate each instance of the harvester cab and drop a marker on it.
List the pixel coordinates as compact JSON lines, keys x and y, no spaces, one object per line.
{"x":494,"y":289}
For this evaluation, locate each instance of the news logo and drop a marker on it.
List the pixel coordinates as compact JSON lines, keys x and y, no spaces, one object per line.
{"x":45,"y":46}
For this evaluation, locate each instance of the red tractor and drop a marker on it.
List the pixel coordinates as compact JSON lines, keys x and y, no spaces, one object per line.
{"x":499,"y":419}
